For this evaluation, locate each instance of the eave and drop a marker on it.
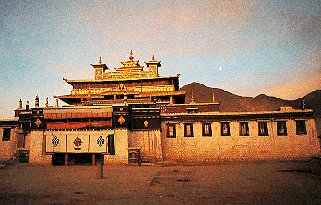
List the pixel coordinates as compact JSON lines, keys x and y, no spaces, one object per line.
{"x":121,"y":79}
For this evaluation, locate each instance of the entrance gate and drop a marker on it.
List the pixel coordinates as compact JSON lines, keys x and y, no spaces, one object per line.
{"x":79,"y":147}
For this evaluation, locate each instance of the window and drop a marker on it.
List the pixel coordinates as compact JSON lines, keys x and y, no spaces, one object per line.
{"x":188,"y":130}
{"x":6,"y":134}
{"x":263,"y":129}
{"x":244,"y":129}
{"x":281,"y":126}
{"x":301,"y":127}
{"x":111,"y":145}
{"x":171,"y":131}
{"x":207,"y":129}
{"x":225,"y":129}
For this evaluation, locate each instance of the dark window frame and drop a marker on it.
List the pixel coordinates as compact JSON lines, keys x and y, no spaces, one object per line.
{"x":301,"y":128}
{"x":265,"y":129}
{"x":209,"y":134}
{"x":227,"y":127}
{"x":284,"y":127}
{"x":168,"y":133}
{"x":6,"y":134}
{"x":190,"y":125}
{"x":247,"y":129}
{"x":111,"y":144}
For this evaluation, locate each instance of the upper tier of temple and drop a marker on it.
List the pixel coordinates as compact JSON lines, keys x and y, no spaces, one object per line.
{"x":130,"y":82}
{"x":130,"y":70}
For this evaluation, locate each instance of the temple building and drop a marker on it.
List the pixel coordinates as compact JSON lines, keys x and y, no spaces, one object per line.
{"x":133,"y":113}
{"x":130,"y":82}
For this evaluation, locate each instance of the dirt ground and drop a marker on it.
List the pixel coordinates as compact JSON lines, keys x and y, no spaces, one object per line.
{"x":272,"y":182}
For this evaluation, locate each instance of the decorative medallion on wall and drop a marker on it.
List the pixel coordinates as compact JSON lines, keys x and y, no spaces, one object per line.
{"x":100,"y":141}
{"x":146,"y":123}
{"x":55,"y":141}
{"x":121,"y":86}
{"x":121,"y":120}
{"x":77,"y":143}
{"x":38,"y":122}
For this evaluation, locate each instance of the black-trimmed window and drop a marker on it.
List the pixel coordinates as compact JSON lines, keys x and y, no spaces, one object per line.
{"x":206,"y":129}
{"x":171,"y":131}
{"x":263,"y":129}
{"x":188,"y":130}
{"x":111,"y":144}
{"x":281,"y":128}
{"x":244,"y":129}
{"x":225,"y":129}
{"x":301,"y":127}
{"x":6,"y":134}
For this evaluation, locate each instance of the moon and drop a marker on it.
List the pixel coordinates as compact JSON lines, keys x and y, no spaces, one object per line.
{"x":220,"y":68}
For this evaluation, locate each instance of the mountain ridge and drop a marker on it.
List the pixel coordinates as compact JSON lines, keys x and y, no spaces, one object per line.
{"x":230,"y":102}
{"x":203,"y":94}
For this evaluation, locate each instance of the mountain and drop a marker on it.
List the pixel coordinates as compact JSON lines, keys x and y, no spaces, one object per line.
{"x":312,"y":101}
{"x":230,"y":102}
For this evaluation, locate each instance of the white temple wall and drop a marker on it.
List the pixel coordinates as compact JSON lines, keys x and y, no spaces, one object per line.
{"x":121,"y":148}
{"x":8,"y":147}
{"x":149,"y":141}
{"x":36,"y":145}
{"x":235,"y":147}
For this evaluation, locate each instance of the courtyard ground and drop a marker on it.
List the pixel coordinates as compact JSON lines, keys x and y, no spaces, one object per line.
{"x":269,"y":182}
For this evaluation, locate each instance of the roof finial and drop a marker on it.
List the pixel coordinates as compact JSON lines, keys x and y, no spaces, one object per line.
{"x":100,"y":60}
{"x":37,"y":101}
{"x":153,"y":58}
{"x":20,"y":104}
{"x":131,"y":57}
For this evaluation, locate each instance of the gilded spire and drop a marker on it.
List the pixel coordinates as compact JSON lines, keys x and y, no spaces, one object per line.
{"x":131,"y":57}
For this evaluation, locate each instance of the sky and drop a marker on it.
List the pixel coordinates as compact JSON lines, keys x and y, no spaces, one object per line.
{"x":244,"y":47}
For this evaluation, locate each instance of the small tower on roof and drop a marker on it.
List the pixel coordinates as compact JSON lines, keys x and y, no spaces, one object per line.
{"x":99,"y":69}
{"x":153,"y":66}
{"x":131,"y":63}
{"x":131,"y":57}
